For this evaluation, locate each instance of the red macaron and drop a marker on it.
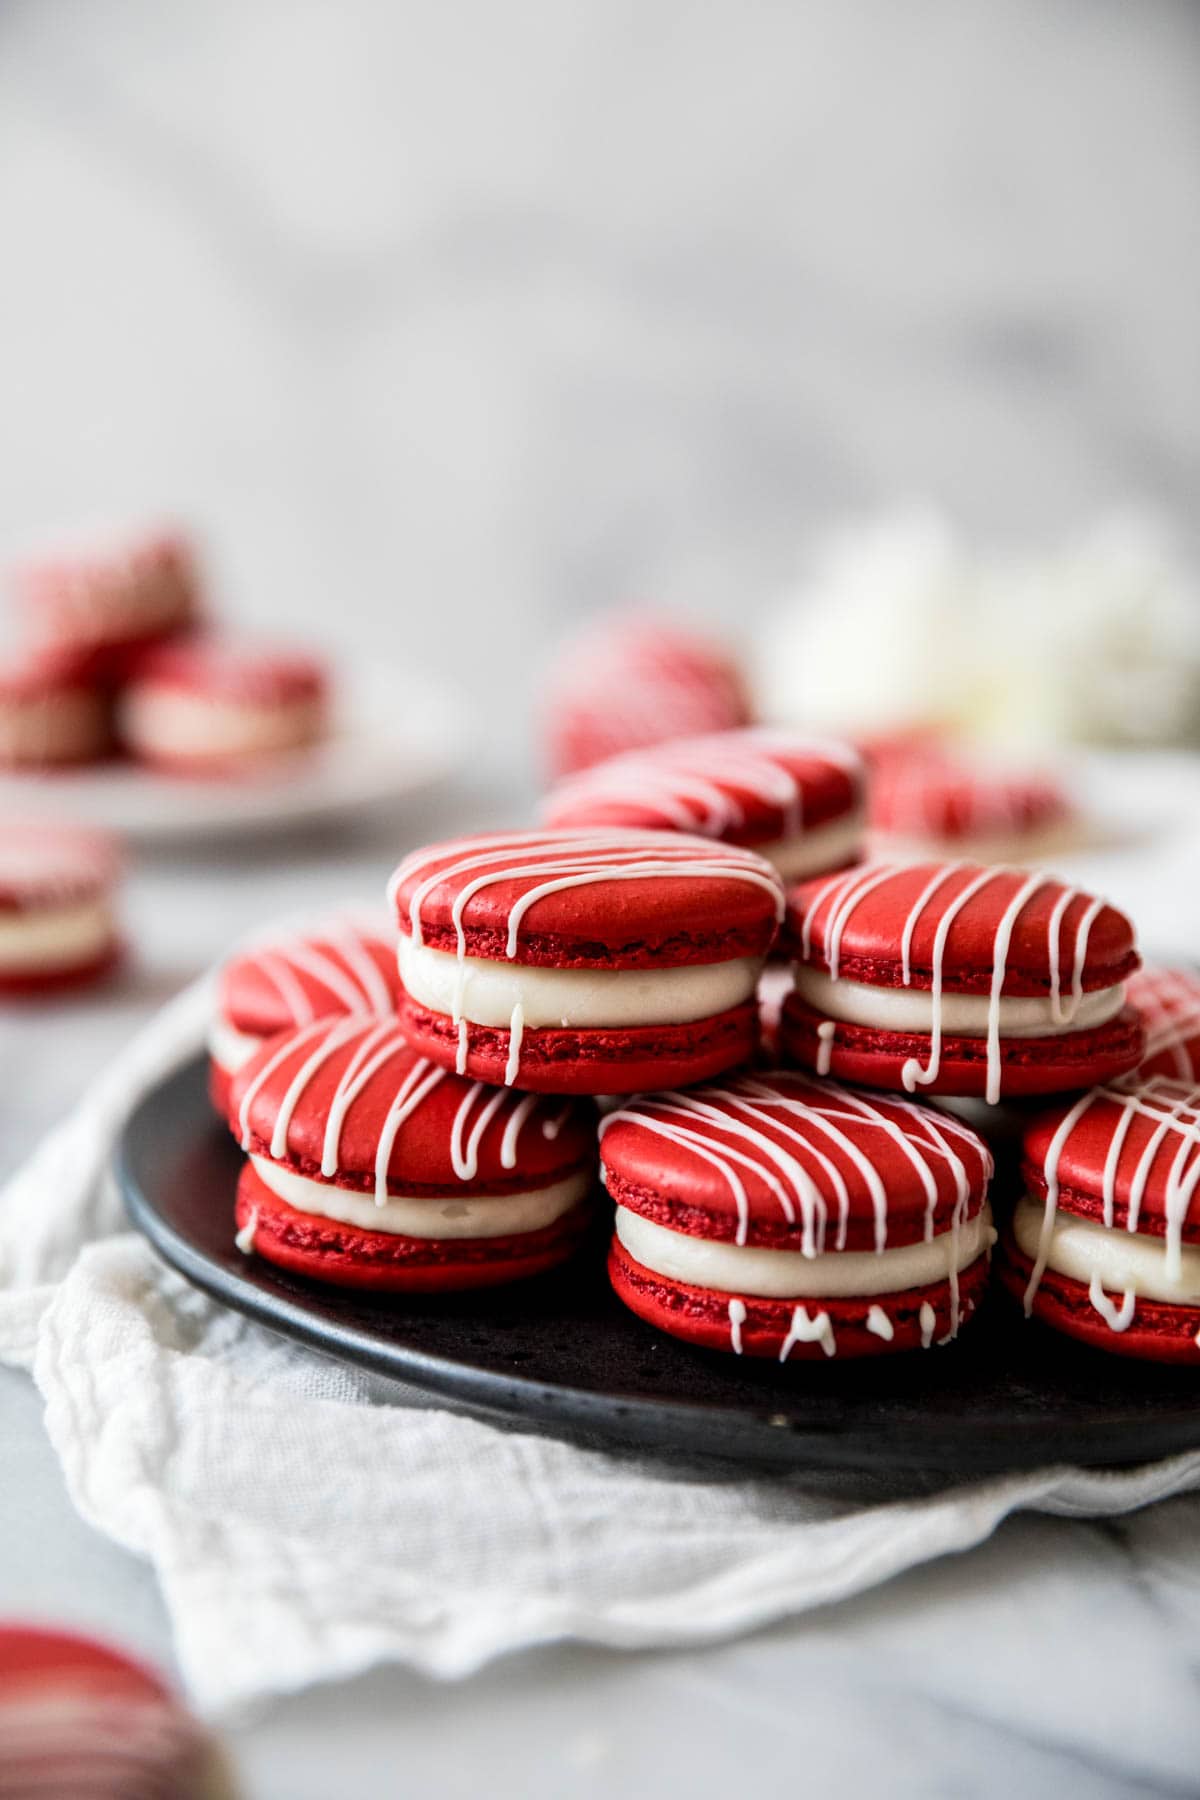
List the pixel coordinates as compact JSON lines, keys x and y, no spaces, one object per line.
{"x":1169,"y":1003}
{"x":797,"y":801}
{"x":78,"y":1718}
{"x":104,"y":604}
{"x":58,"y":925}
{"x":949,"y":978}
{"x":1105,"y":1247}
{"x":371,"y":1167}
{"x":926,"y":803}
{"x":50,"y":716}
{"x":584,"y":962}
{"x":293,"y":977}
{"x":629,"y":682}
{"x":223,"y":708}
{"x":782,"y":1216}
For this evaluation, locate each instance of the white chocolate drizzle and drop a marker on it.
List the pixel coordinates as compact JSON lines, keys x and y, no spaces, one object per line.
{"x":841,"y":895}
{"x":927,"y":1320}
{"x":825,"y":1035}
{"x":371,"y":1045}
{"x":696,"y":784}
{"x":551,"y":862}
{"x":879,"y":1325}
{"x":805,"y":1330}
{"x":338,"y":960}
{"x":244,"y":1239}
{"x":1117,"y":1318}
{"x":737,"y":1318}
{"x":1172,"y":1108}
{"x":806,"y":1119}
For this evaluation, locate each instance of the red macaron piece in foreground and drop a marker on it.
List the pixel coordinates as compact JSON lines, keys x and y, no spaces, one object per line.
{"x":629,"y":682}
{"x":584,"y":962}
{"x":797,"y":801}
{"x":78,"y":1718}
{"x":951,"y":978}
{"x":1105,"y":1246}
{"x":778,"y":1215}
{"x":372,"y":1167}
{"x":58,"y":925}
{"x":290,"y":978}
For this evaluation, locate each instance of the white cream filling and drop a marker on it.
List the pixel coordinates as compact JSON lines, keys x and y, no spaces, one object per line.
{"x":57,"y":937}
{"x":447,"y":1216}
{"x":963,"y":1015}
{"x":230,"y":1048}
{"x":167,"y":722}
{"x":489,"y":993}
{"x":1126,"y":1262}
{"x":813,"y":852}
{"x":788,"y":1274}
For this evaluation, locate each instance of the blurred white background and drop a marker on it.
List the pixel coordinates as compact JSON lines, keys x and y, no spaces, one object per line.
{"x":448,"y":324}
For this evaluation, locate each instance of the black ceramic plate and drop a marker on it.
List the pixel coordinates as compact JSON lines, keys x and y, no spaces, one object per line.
{"x":561,"y":1353}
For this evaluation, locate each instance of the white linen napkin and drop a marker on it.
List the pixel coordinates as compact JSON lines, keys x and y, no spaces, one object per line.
{"x":306,"y":1520}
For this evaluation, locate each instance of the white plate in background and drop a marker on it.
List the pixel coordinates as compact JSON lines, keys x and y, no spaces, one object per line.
{"x":396,"y":736}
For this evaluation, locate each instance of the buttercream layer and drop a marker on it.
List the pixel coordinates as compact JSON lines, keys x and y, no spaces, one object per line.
{"x":1125,"y":1262}
{"x":789,"y":1274}
{"x":168,"y":722}
{"x":489,"y":993}
{"x":429,"y":1216}
{"x":54,"y":937}
{"x":961,"y":1015}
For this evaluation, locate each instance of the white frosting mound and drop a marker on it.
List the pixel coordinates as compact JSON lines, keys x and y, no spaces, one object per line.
{"x":167,"y":722}
{"x":875,"y":634}
{"x":788,"y":1274}
{"x":472,"y":1216}
{"x":962,"y":1015}
{"x":52,"y":938}
{"x":1126,"y":1262}
{"x":489,"y":993}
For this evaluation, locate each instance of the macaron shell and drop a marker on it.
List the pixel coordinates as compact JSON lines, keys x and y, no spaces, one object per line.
{"x":549,"y":1145}
{"x":1158,"y":1332}
{"x":279,"y":983}
{"x":1169,"y":1002}
{"x":713,"y":902}
{"x":1057,"y":1064}
{"x":719,"y":786}
{"x":702,"y":1316}
{"x":1140,"y":1118}
{"x":384,"y":1262}
{"x":669,"y":1157}
{"x":556,"y":1061}
{"x":873,"y":926}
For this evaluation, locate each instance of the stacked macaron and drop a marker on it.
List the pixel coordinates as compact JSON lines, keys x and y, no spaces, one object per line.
{"x":371,"y":1167}
{"x":798,"y":802}
{"x":637,"y":681}
{"x":1105,"y":1245}
{"x":781,"y":1216}
{"x":948,"y":978}
{"x":118,"y":661}
{"x":927,"y":803}
{"x":289,"y":978}
{"x":58,"y":926}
